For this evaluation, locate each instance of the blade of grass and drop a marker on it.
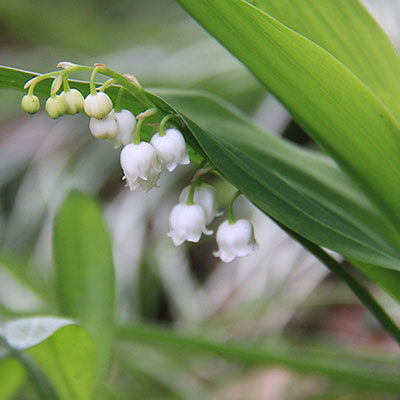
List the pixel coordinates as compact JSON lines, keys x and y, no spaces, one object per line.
{"x":363,"y":376}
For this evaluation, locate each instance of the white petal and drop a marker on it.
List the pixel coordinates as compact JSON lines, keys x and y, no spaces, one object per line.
{"x":235,"y":240}
{"x":205,"y":195}
{"x":126,"y":121}
{"x":171,"y":166}
{"x":170,"y":148}
{"x":187,"y":222}
{"x":106,"y":128}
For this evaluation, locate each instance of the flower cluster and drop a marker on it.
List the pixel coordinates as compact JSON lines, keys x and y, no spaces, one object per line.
{"x":143,"y":161}
{"x":197,"y":209}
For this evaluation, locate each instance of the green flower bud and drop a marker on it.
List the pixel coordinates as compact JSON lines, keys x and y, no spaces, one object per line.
{"x":98,"y":105}
{"x":30,"y":104}
{"x":56,"y":106}
{"x":74,"y":100}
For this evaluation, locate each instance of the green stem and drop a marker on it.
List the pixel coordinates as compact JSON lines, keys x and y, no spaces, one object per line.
{"x":356,"y":287}
{"x":134,"y":89}
{"x":138,"y":129}
{"x":161,"y":129}
{"x":65,"y":83}
{"x":37,"y":79}
{"x":106,"y":84}
{"x":231,"y":216}
{"x":92,"y":82}
{"x":117,"y":104}
{"x":190,"y":199}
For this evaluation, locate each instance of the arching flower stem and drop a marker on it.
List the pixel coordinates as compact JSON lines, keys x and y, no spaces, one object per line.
{"x":161,"y":128}
{"x":138,"y":129}
{"x":231,"y":216}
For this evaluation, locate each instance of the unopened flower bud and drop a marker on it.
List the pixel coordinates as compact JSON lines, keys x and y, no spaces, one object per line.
{"x":74,"y":100}
{"x":55,"y":106}
{"x":106,"y":128}
{"x":97,"y":105}
{"x":126,"y":123}
{"x":171,"y":149}
{"x":140,"y":165}
{"x":30,"y":104}
{"x":187,"y":222}
{"x":235,"y":240}
{"x":205,"y":196}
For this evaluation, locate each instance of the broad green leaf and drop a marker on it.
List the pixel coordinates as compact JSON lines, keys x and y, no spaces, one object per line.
{"x":301,"y":189}
{"x":348,"y":120}
{"x":68,"y":359}
{"x":348,"y":31}
{"x":85,"y":270}
{"x":351,"y":368}
{"x":58,"y":355}
{"x":12,"y":374}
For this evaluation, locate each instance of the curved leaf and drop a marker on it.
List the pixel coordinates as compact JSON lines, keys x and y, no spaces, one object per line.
{"x":348,"y":31}
{"x":58,"y":355}
{"x":301,"y":189}
{"x":333,"y":105}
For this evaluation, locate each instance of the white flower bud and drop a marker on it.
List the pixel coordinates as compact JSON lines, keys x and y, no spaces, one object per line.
{"x":171,"y":149}
{"x":140,"y":165}
{"x":55,"y":106}
{"x":205,"y":196}
{"x":126,"y":123}
{"x":74,"y":100}
{"x":187,"y":222}
{"x":235,"y":240}
{"x":106,"y":128}
{"x":97,"y":105}
{"x":30,"y":104}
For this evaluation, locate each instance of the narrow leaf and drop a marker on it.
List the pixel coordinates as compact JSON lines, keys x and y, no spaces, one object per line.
{"x":85,"y":271}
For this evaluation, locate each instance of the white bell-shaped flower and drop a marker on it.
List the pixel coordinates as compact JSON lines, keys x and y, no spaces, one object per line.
{"x":106,"y":128}
{"x":235,"y":240}
{"x":171,"y":149}
{"x":140,"y":165}
{"x":187,"y":222}
{"x":204,"y":195}
{"x":126,"y":123}
{"x":97,"y":105}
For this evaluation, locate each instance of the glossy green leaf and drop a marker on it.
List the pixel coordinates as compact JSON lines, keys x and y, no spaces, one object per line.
{"x":348,"y":120}
{"x":348,"y":31}
{"x":58,"y":355}
{"x":301,"y":189}
{"x":85,"y":270}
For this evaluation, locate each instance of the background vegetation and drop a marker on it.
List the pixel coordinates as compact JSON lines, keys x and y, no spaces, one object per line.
{"x":159,"y":322}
